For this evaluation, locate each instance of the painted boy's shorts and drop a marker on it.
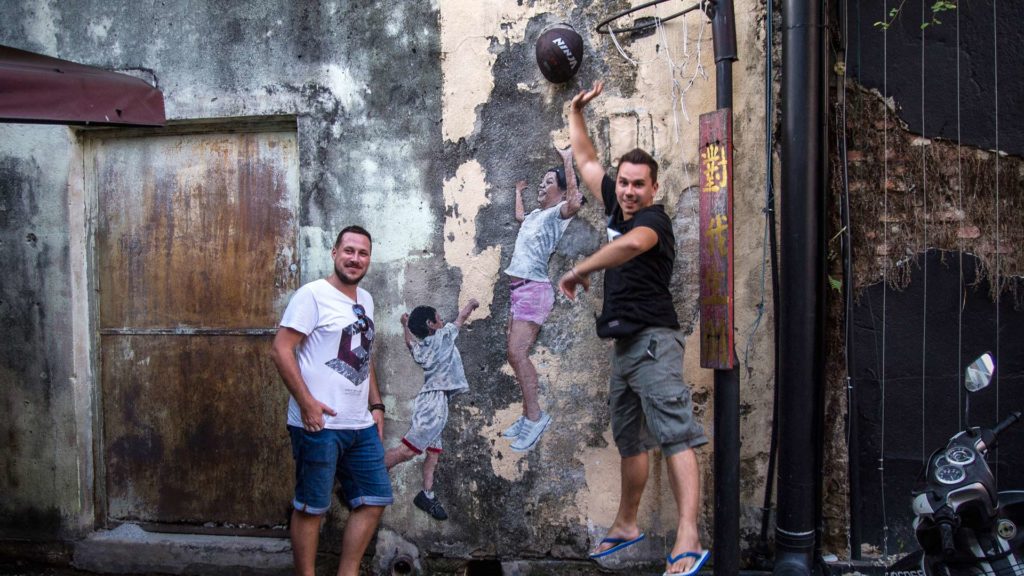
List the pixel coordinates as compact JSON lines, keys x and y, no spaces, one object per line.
{"x":532,"y":300}
{"x":429,"y":415}
{"x":650,"y":404}
{"x":354,"y":457}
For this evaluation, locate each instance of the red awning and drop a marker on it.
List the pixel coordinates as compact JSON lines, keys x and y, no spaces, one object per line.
{"x":40,"y":89}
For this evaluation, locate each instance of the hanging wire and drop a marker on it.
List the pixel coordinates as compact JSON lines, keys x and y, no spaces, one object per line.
{"x":998,"y":275}
{"x":885,"y":266}
{"x":924,"y":244}
{"x":960,"y":192}
{"x":769,"y":237}
{"x":853,"y":539}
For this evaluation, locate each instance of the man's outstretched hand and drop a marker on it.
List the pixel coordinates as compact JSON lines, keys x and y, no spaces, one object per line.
{"x":580,"y":101}
{"x":569,"y":281}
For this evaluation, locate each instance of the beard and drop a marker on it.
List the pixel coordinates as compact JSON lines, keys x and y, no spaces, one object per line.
{"x":347,"y":279}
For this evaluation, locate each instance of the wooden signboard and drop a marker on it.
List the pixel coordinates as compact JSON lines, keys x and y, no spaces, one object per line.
{"x":716,"y":246}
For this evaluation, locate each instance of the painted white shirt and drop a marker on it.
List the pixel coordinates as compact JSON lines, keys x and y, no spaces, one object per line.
{"x":538,"y":235}
{"x":441,"y":361}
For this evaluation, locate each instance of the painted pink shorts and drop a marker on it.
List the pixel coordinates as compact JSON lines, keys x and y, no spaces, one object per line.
{"x":532,"y":301}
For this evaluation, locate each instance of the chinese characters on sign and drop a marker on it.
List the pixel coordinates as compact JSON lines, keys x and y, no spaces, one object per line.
{"x":716,"y":278}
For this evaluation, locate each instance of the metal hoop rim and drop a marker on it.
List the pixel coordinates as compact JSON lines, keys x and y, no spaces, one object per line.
{"x":602,"y":28}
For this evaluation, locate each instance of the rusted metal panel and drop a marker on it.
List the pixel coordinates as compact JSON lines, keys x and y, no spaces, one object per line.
{"x":195,"y":253}
{"x":194,"y":431}
{"x":38,"y":88}
{"x":716,"y":240}
{"x":192,"y":228}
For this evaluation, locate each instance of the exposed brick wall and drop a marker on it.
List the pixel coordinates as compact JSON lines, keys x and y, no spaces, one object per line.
{"x":909,"y":193}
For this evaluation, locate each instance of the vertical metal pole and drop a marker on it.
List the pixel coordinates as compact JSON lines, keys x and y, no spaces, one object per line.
{"x":802,"y":285}
{"x":727,"y":382}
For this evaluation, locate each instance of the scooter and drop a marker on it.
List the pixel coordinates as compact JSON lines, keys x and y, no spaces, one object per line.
{"x":965,"y":527}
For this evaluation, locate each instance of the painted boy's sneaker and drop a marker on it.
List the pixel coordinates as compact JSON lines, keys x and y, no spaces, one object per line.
{"x":431,"y":506}
{"x":513,"y":430}
{"x":530,"y":432}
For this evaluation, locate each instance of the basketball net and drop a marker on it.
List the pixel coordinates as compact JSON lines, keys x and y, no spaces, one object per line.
{"x":683,"y":71}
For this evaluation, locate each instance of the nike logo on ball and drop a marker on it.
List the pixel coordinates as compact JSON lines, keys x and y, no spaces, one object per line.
{"x":565,"y":50}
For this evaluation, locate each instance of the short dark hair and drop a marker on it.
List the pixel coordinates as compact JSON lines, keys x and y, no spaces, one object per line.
{"x":418,"y":321}
{"x":355,"y":230}
{"x":640,"y":156}
{"x":563,"y":184}
{"x":560,"y":177}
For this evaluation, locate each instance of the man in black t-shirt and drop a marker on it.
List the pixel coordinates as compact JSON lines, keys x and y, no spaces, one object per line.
{"x":649,"y":402}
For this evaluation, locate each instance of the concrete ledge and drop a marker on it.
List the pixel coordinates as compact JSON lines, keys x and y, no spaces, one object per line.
{"x":129,"y":549}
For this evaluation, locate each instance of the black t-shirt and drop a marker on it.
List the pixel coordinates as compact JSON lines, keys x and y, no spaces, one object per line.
{"x":636,"y":294}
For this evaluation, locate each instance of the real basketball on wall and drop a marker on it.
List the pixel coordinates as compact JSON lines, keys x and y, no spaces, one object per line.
{"x":559,"y":52}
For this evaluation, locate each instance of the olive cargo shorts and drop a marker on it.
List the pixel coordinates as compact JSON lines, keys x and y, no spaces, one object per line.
{"x":649,"y":402}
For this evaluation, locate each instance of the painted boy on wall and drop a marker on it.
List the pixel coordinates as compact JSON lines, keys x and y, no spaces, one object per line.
{"x":432,"y":345}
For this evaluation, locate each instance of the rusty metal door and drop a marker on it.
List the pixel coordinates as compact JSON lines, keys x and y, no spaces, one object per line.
{"x":195,"y":259}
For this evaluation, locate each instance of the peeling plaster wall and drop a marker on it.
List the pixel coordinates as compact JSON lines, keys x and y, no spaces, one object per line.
{"x":416,"y":120}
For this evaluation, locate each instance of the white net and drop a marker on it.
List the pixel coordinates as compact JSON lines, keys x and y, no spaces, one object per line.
{"x":684,"y":68}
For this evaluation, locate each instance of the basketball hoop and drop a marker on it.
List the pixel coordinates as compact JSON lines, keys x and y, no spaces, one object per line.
{"x":603,"y":28}
{"x":682,"y":72}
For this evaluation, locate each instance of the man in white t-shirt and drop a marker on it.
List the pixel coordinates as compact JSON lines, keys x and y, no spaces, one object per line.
{"x":323,"y":351}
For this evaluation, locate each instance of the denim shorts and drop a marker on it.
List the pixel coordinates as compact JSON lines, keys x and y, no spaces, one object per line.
{"x":649,"y":402}
{"x":354,"y":457}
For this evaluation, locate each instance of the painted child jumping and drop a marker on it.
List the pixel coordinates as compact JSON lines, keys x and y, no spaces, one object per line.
{"x":432,"y":345}
{"x":532,"y":296}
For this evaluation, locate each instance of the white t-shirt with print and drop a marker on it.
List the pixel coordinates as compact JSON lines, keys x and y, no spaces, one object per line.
{"x":334,"y":357}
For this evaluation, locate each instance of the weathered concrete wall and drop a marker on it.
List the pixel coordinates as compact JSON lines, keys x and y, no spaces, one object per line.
{"x":39,"y":458}
{"x":415,"y":120}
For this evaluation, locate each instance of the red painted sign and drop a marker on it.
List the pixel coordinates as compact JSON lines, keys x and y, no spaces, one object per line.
{"x":716,"y":246}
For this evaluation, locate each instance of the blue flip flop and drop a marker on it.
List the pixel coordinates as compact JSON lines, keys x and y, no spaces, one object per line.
{"x":701,"y":558}
{"x":620,"y":543}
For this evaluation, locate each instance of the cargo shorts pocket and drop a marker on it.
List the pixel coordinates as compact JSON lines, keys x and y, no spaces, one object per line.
{"x":670,"y":417}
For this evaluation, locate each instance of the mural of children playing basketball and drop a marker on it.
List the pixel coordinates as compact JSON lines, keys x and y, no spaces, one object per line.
{"x":432,"y":345}
{"x":531,"y":293}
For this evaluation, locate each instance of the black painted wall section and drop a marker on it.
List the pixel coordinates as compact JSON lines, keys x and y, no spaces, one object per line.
{"x":910,"y":351}
{"x":893,"y":62}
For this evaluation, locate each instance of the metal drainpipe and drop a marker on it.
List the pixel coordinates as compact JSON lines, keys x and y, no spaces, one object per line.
{"x":802,"y":284}
{"x":727,"y":382}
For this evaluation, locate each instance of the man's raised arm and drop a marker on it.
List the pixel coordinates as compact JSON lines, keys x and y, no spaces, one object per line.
{"x":591,"y":171}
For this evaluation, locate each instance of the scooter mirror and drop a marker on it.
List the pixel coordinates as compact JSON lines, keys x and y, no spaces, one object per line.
{"x":979,"y":373}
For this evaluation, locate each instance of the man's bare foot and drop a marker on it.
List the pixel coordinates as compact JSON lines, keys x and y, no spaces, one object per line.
{"x":686,"y":562}
{"x":686,"y":541}
{"x":616,"y":540}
